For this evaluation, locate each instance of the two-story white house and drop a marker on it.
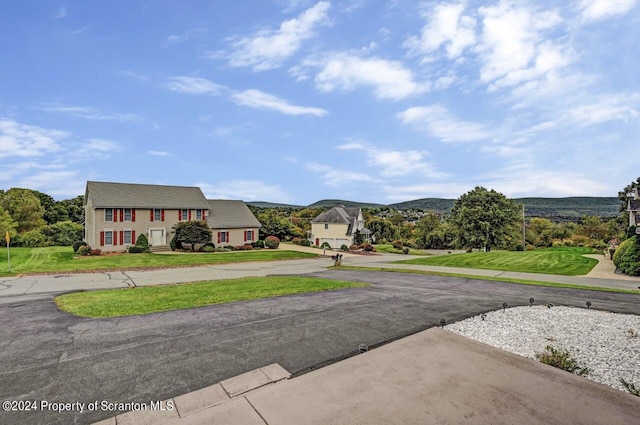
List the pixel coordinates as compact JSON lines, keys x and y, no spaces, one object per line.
{"x":338,"y":226}
{"x":634,"y":208}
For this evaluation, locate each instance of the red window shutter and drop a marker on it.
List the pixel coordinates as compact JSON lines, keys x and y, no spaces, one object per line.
{"x":121,"y":237}
{"x":218,"y":237}
{"x":133,"y":214}
{"x":245,"y":235}
{"x":101,"y":238}
{"x":162,"y":215}
{"x":115,"y":238}
{"x":115,"y":215}
{"x":133,"y":236}
{"x":189,"y":214}
{"x":151,"y":215}
{"x":179,"y":215}
{"x":121,"y":214}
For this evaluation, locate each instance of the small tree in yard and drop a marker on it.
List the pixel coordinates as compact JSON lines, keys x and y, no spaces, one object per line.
{"x":272,"y":242}
{"x":192,"y":233}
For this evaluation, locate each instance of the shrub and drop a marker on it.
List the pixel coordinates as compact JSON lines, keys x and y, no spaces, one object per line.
{"x":296,"y":240}
{"x":221,"y":250}
{"x":271,"y":242}
{"x":305,"y":242}
{"x":207,"y":248}
{"x":135,"y":249}
{"x":631,"y":232}
{"x":207,"y":245}
{"x":243,"y":248}
{"x":405,"y":250}
{"x":32,"y":239}
{"x":344,"y":248}
{"x":530,"y":247}
{"x":95,"y":252}
{"x":175,"y":244}
{"x":78,"y":244}
{"x":367,"y":247}
{"x":397,"y":244}
{"x":622,"y":249}
{"x":354,"y":247}
{"x":562,"y":360}
{"x":325,"y":245}
{"x":142,"y":241}
{"x":629,"y":260}
{"x":258,"y":244}
{"x":84,"y":250}
{"x":228,"y":247}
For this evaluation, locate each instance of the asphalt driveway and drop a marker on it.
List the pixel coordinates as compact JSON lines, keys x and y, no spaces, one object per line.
{"x":49,"y":355}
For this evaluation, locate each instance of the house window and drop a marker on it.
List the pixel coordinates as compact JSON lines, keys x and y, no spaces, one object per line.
{"x":126,"y":237}
{"x":248,"y":235}
{"x":127,"y":214}
{"x":326,"y":226}
{"x":223,"y":237}
{"x":108,"y":214}
{"x":108,"y":237}
{"x":157,"y":215}
{"x":184,"y":215}
{"x":198,"y":214}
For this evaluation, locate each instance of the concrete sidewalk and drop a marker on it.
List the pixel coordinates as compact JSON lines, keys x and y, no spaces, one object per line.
{"x":431,"y":377}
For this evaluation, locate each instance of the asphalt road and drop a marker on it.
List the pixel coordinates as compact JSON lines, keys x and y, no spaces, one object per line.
{"x":49,"y":355}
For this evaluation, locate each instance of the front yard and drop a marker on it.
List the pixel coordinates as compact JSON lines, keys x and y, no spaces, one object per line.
{"x":63,"y":260}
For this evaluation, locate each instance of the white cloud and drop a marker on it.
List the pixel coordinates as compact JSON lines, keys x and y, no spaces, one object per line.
{"x":438,"y":122}
{"x":268,"y":49}
{"x":195,"y":85}
{"x":260,"y":100}
{"x":394,"y":163}
{"x":55,"y":183}
{"x":446,"y":27}
{"x":346,"y":71}
{"x":247,"y":190}
{"x":135,"y":75}
{"x":612,"y":108}
{"x":425,"y":190}
{"x":596,"y":10}
{"x":91,"y":113}
{"x":158,"y":153}
{"x":513,"y":48}
{"x":335,"y":177}
{"x":61,"y":13}
{"x":185,"y":36}
{"x":26,"y":140}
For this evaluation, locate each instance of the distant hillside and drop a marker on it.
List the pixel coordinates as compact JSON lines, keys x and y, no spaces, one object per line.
{"x":330,"y":203}
{"x":426,"y":204}
{"x":261,"y":204}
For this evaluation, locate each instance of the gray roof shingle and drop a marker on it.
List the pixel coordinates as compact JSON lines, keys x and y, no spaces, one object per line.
{"x":130,"y":195}
{"x":228,"y":214}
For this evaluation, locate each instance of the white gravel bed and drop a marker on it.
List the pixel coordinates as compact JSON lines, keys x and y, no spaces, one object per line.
{"x":606,"y":343}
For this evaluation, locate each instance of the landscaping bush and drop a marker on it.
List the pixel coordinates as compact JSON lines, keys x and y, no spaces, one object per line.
{"x":78,"y":244}
{"x":344,"y":248}
{"x":629,"y":260}
{"x":562,"y":360}
{"x":354,"y":247}
{"x":175,"y":244}
{"x":397,"y":244}
{"x":32,"y":239}
{"x":631,"y":232}
{"x":325,"y":245}
{"x":258,"y":244}
{"x":243,"y":248}
{"x":95,"y":252}
{"x":368,"y":247}
{"x":206,"y":246}
{"x":84,"y":250}
{"x":621,"y":249}
{"x":135,"y":249}
{"x":142,"y":241}
{"x":222,"y":250}
{"x":296,"y":241}
{"x":305,"y":242}
{"x":271,"y":242}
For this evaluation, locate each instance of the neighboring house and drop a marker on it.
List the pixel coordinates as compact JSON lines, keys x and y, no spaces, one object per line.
{"x":338,"y":226}
{"x":634,"y":209}
{"x":117,"y":213}
{"x":232,"y":223}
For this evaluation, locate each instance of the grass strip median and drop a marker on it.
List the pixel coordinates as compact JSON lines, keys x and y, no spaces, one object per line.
{"x":566,"y":261}
{"x":492,"y":278}
{"x":153,"y":299}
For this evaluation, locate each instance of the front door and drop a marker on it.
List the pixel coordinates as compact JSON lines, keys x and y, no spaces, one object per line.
{"x":156,"y":237}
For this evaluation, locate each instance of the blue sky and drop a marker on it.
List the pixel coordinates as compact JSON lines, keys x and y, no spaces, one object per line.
{"x":295,"y":101}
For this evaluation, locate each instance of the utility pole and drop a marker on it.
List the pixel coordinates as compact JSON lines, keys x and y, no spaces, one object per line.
{"x":524,"y":243}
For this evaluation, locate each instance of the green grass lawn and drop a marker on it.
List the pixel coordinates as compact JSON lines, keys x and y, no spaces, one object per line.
{"x":63,"y":259}
{"x":388,"y":248}
{"x":152,"y":299}
{"x":566,"y":261}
